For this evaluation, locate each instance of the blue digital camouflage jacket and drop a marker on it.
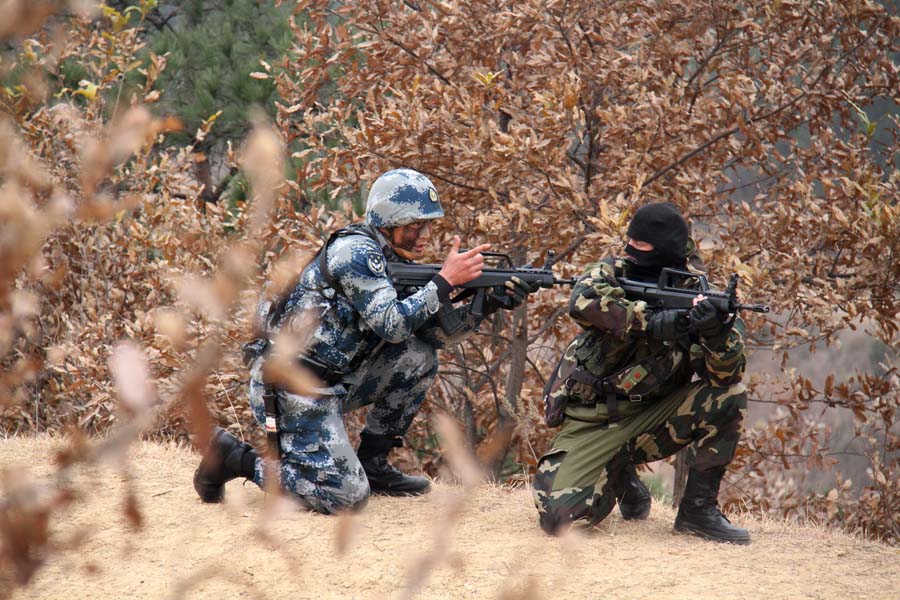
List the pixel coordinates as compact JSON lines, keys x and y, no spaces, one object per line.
{"x":366,"y":310}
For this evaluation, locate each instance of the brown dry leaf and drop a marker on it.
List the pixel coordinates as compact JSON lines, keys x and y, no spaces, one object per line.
{"x":193,"y":392}
{"x":120,"y":140}
{"x":76,"y":449}
{"x":496,"y":444}
{"x":283,"y":276}
{"x":203,"y":296}
{"x":24,"y":526}
{"x":263,"y":161}
{"x":456,"y":451}
{"x":284,"y":370}
{"x":17,"y":161}
{"x":171,"y":324}
{"x":19,"y":18}
{"x":129,"y":134}
{"x":24,"y":304}
{"x":132,"y":508}
{"x":131,"y":376}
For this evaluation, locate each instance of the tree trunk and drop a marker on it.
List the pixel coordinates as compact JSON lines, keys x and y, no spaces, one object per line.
{"x":469,"y":422}
{"x":518,"y":354}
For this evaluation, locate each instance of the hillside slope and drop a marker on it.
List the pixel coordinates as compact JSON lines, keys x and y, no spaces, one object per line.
{"x":492,"y":546}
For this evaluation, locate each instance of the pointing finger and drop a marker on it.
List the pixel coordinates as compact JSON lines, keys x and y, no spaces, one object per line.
{"x":478,"y":249}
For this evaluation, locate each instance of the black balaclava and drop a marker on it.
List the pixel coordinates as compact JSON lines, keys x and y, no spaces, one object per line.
{"x":662,"y":225}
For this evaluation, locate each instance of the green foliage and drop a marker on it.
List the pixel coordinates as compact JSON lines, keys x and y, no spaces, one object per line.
{"x":72,"y":70}
{"x":212,"y":47}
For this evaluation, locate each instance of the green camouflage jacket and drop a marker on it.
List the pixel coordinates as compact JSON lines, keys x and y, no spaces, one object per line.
{"x":614,"y":346}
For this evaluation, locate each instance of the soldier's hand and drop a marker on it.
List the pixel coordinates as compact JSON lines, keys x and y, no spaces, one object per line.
{"x":708,"y":321}
{"x":668,"y":324}
{"x":517,"y":290}
{"x":463,"y":267}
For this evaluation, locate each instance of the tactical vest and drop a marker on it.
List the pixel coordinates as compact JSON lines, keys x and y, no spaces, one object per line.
{"x":595,"y":368}
{"x":273,"y":316}
{"x":276,"y":311}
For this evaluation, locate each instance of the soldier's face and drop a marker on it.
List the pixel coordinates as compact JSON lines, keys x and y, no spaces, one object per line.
{"x":411,"y":238}
{"x":639,"y":245}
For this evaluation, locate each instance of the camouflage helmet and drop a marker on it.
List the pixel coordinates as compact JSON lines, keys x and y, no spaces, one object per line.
{"x":400,"y":197}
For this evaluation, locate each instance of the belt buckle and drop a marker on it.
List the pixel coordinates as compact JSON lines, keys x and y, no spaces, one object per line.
{"x":634,"y":397}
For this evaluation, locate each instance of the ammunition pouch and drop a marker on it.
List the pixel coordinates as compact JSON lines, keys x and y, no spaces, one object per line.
{"x":571,"y":383}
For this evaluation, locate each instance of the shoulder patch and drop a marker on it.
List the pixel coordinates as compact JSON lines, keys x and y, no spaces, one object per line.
{"x":375,"y":261}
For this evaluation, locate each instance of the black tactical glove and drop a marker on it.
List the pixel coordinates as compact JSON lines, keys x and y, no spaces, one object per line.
{"x":514,"y":295}
{"x":710,"y":324}
{"x":518,"y":290}
{"x":667,"y":324}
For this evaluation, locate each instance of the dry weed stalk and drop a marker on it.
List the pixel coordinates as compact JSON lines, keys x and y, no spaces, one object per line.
{"x":470,"y":473}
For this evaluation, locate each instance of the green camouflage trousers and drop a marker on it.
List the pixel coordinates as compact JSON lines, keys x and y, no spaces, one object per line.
{"x":578,"y":478}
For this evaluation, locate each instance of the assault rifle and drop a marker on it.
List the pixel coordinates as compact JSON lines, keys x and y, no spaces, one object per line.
{"x":491,"y":279}
{"x":664,"y":294}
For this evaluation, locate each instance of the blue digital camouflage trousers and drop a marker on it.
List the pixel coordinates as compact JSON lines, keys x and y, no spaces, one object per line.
{"x":577,"y":479}
{"x":318,"y":464}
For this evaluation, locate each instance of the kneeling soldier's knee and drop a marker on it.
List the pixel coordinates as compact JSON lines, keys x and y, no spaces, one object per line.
{"x":553,"y":519}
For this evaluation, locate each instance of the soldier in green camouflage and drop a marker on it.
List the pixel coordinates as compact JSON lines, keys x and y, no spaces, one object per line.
{"x":638,"y":385}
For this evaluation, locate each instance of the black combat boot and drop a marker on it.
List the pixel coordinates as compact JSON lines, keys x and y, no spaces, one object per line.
{"x":225,"y":459}
{"x":634,"y":497}
{"x":699,"y":514}
{"x":383,"y":478}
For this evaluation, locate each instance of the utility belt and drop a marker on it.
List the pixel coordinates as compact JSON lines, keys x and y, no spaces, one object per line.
{"x":571,"y":383}
{"x":607,"y":391}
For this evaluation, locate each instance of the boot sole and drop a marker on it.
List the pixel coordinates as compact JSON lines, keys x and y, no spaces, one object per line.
{"x":682,"y":528}
{"x":386,"y":492}
{"x":641,"y":516}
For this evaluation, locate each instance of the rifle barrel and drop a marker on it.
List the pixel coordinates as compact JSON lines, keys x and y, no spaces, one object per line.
{"x":760,"y":308}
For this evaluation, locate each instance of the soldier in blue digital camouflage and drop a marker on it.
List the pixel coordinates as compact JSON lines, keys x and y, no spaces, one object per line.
{"x":636,"y":386}
{"x":373,"y":345}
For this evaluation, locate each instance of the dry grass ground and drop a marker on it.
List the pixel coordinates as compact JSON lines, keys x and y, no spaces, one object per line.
{"x":190,"y":550}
